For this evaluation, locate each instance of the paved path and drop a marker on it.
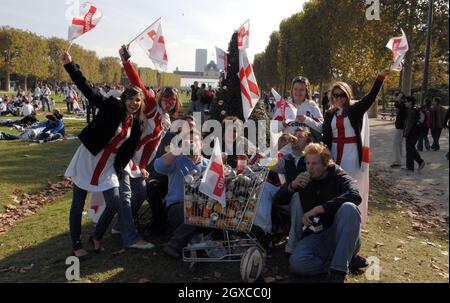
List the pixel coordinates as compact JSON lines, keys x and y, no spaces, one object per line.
{"x":429,"y":186}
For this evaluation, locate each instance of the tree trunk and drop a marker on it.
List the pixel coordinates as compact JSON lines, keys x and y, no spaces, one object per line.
{"x":383,"y":98}
{"x":7,"y":81}
{"x":407,"y":75}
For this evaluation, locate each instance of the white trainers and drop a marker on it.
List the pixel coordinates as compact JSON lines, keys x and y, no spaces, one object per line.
{"x":143,"y":246}
{"x":115,"y":231}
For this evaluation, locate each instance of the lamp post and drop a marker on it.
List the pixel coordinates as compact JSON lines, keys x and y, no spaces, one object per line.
{"x":9,"y":54}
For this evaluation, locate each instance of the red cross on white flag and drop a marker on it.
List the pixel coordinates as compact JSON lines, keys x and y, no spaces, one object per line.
{"x":249,"y":88}
{"x":244,"y":35}
{"x":213,"y":181}
{"x":399,"y":47}
{"x":87,"y":19}
{"x":286,"y":111}
{"x":153,"y":43}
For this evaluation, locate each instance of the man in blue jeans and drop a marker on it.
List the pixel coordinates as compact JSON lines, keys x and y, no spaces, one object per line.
{"x":176,"y":167}
{"x":328,"y":193}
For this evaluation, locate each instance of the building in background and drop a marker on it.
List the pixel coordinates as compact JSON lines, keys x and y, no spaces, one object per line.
{"x":201,"y":56}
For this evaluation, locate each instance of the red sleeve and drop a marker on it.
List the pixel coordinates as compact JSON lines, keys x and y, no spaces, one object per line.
{"x":150,"y":102}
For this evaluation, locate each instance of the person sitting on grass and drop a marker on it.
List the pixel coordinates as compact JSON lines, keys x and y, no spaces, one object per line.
{"x":176,"y":167}
{"x":54,"y":128}
{"x":330,"y":195}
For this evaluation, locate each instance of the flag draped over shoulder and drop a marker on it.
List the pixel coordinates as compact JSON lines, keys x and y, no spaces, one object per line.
{"x":88,"y":18}
{"x":213,"y":181}
{"x":152,"y":41}
{"x":399,"y":47}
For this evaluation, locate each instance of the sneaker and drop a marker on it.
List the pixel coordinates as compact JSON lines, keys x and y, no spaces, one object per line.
{"x":115,"y":231}
{"x":336,"y":276}
{"x":142,"y":245}
{"x":171,"y":252}
{"x":422,"y":165}
{"x":357,"y":262}
{"x":395,"y":166}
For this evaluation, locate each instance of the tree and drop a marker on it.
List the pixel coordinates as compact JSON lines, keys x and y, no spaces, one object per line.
{"x":110,"y":70}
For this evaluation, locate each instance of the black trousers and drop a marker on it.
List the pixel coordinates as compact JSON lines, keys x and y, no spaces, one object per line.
{"x":411,"y":152}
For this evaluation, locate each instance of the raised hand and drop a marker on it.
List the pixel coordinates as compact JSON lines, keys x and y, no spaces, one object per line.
{"x":124,"y":53}
{"x":66,"y":58}
{"x":385,"y":72}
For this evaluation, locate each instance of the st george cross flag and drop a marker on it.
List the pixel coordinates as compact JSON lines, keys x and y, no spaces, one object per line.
{"x":286,"y":111}
{"x":222,"y":60}
{"x":88,"y":18}
{"x":249,"y":88}
{"x":363,"y":177}
{"x":244,"y":35}
{"x":152,"y":41}
{"x":213,"y":181}
{"x":399,"y":47}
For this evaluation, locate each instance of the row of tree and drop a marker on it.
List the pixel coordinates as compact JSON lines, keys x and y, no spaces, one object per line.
{"x":332,"y":39}
{"x":32,"y":57}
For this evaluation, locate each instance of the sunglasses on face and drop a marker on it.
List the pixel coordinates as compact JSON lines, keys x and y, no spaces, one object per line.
{"x":341,"y":95}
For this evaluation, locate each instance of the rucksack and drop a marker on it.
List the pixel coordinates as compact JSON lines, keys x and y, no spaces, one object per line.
{"x":427,"y":116}
{"x":421,"y":120}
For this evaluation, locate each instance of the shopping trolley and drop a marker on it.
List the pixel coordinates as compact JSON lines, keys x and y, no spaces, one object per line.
{"x":243,"y":192}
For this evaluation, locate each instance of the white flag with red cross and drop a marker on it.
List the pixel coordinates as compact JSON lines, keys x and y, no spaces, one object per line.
{"x":222,"y":60}
{"x":244,"y":35}
{"x":399,"y":47}
{"x":286,"y":111}
{"x":153,"y":42}
{"x":213,"y":181}
{"x":249,"y":88}
{"x":87,"y":19}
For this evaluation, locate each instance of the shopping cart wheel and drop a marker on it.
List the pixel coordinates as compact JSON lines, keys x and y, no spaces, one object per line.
{"x":252,"y":263}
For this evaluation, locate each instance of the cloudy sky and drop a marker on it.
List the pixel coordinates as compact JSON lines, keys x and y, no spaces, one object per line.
{"x":187,"y":25}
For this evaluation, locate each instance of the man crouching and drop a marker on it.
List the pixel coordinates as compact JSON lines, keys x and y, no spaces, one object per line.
{"x":331,"y":221}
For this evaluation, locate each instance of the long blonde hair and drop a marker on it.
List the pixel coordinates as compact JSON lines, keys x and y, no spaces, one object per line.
{"x":343,"y":87}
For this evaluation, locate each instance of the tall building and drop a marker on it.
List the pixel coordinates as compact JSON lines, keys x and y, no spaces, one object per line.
{"x":200,"y":59}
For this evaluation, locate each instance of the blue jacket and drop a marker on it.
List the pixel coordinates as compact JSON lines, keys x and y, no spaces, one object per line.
{"x":180,"y":167}
{"x":59,"y":128}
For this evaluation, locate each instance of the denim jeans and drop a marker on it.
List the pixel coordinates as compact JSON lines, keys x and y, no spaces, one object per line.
{"x":183,"y":233}
{"x":331,"y":249}
{"x":111,"y":197}
{"x":132,"y":194}
{"x":44,"y":101}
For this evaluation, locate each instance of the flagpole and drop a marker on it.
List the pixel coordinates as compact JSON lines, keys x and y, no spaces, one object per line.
{"x":70,"y":45}
{"x":144,"y":31}
{"x":243,"y":23}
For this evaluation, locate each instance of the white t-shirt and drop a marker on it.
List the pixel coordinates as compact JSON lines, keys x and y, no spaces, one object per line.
{"x":27,"y":109}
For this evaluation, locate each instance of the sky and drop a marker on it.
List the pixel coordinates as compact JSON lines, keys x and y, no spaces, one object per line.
{"x":187,"y":25}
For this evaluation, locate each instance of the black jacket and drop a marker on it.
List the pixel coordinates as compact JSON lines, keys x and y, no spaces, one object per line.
{"x":355,"y":113}
{"x":99,"y":132}
{"x":412,"y":128}
{"x":333,"y":191}
{"x":283,"y":195}
{"x":401,"y":115}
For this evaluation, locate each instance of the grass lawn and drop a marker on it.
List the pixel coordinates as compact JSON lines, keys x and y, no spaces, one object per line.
{"x":35,"y":249}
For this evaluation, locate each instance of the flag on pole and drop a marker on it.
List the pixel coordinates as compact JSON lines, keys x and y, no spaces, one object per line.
{"x":87,"y":19}
{"x":249,"y":88}
{"x":363,"y":178}
{"x":213,"y":181}
{"x":152,"y":41}
{"x":399,"y":47}
{"x":222,"y":60}
{"x":244,"y":35}
{"x":286,"y":111}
